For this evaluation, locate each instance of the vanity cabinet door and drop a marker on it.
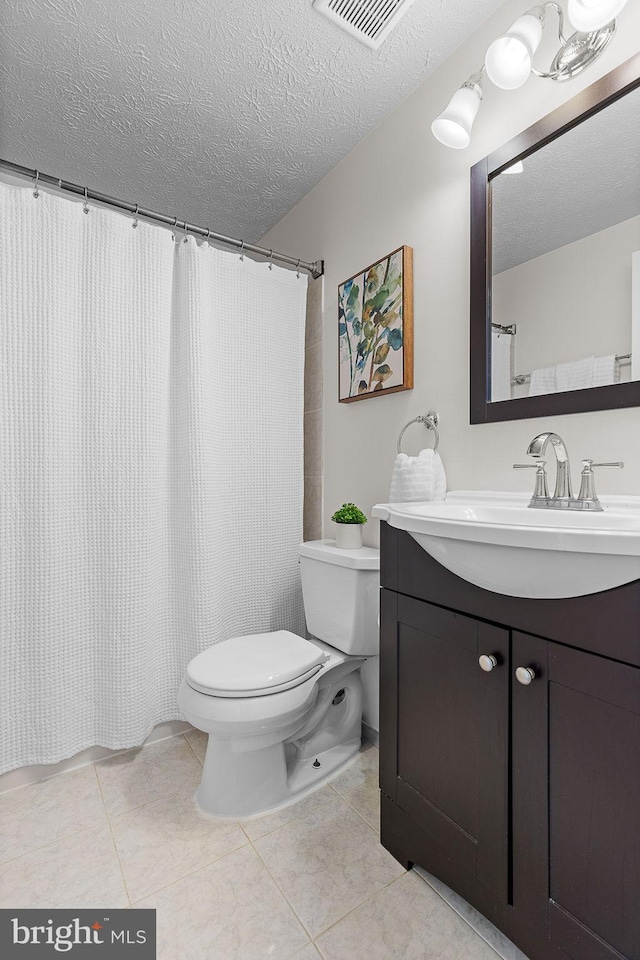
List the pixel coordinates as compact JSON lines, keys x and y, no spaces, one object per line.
{"x":576,"y":799}
{"x":444,"y":742}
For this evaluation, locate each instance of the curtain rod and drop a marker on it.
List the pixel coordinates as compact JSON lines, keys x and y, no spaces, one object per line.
{"x":316,"y":269}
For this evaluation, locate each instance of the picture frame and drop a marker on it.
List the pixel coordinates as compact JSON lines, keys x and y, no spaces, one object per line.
{"x":375,"y":329}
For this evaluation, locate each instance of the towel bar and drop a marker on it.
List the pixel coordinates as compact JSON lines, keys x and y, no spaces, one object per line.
{"x":430,"y":421}
{"x":521,"y":378}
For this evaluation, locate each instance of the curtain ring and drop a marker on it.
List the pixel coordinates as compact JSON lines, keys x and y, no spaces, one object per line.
{"x":186,"y":233}
{"x":135,"y":216}
{"x":270,"y":259}
{"x":208,"y":235}
{"x":36,"y":192}
{"x":242,"y":251}
{"x":85,"y":205}
{"x":298,"y":269}
{"x":173,"y":228}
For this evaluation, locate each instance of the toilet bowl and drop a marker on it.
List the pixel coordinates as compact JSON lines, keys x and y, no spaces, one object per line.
{"x":284,"y":713}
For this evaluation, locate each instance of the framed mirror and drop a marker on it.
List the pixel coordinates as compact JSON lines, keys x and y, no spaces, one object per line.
{"x":555,"y":260}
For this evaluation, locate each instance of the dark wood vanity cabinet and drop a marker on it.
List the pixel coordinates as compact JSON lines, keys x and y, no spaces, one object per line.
{"x":523,"y":798}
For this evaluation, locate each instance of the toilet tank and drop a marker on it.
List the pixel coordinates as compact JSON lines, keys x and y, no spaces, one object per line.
{"x":341,"y":591}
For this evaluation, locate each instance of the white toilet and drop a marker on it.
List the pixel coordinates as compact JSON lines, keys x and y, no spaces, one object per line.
{"x":283,"y":713}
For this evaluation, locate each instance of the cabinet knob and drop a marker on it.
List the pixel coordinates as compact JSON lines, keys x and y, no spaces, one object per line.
{"x":487,"y":662}
{"x":525,"y":675}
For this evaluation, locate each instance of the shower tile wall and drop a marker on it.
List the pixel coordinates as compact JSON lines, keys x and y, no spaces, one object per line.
{"x":313,"y":414}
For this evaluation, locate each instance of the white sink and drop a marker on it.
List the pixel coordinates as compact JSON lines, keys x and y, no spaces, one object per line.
{"x":496,"y":542}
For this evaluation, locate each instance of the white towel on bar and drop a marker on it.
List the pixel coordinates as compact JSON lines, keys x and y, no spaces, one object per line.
{"x":543,"y":380}
{"x":575,"y":375}
{"x":418,"y":478}
{"x":500,"y":365}
{"x":606,"y":370}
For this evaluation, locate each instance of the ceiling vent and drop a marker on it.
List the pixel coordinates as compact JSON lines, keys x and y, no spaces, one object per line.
{"x":370,"y":21}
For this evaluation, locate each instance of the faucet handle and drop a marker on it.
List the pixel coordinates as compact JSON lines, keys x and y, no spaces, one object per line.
{"x":587,"y":485}
{"x":540,"y":490}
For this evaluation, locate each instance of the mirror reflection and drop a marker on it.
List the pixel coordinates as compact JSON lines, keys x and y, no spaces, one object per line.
{"x":565,"y":251}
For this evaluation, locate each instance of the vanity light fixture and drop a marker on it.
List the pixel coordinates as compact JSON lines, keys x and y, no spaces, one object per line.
{"x":509,"y":59}
{"x":453,"y":126}
{"x":587,"y":15}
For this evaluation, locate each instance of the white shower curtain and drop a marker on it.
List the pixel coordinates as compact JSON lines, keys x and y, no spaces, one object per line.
{"x":150,"y":468}
{"x":501,"y":362}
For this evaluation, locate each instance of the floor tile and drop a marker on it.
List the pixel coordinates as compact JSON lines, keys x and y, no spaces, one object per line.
{"x":229,"y":910}
{"x":216,"y":897}
{"x":365,"y":800}
{"x":81,"y":871}
{"x":50,"y":810}
{"x":165,"y":840}
{"x":327,"y":863}
{"x":407,"y":921}
{"x":261,"y":826}
{"x":198,"y":741}
{"x":483,"y":927}
{"x":160,"y":770}
{"x":307,"y":953}
{"x":363,"y":769}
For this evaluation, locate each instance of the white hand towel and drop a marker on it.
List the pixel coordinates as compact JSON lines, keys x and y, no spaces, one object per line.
{"x":606,"y":370}
{"x":576,"y":375}
{"x":542,"y":381}
{"x":418,"y":478}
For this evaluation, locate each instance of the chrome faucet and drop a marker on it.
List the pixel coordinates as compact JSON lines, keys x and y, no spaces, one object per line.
{"x":537,"y":449}
{"x":563,"y":498}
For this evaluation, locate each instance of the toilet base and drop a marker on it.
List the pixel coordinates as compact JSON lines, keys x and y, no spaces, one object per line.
{"x":246,"y":776}
{"x":306,"y":776}
{"x":283,"y":784}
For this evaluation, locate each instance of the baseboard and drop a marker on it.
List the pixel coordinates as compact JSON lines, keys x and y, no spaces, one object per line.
{"x":370,"y":734}
{"x":25,"y":775}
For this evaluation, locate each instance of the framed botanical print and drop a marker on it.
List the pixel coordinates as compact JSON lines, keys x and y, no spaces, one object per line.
{"x":375,"y":329}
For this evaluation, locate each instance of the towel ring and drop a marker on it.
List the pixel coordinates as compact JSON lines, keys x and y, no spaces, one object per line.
{"x":430,"y":421}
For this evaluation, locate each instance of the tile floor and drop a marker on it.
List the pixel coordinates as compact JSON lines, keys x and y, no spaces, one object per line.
{"x":309,"y":882}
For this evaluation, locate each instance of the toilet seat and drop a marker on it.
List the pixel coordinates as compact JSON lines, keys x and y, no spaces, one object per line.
{"x":256,"y":665}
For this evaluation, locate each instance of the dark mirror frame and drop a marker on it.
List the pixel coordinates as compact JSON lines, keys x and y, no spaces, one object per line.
{"x":594,"y":98}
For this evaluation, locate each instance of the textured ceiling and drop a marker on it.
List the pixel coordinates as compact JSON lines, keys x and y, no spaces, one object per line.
{"x":223,"y":112}
{"x":579,"y":184}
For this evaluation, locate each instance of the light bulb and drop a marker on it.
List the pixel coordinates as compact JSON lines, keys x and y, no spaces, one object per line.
{"x":453,"y":126}
{"x":589,"y":15}
{"x":509,"y":58}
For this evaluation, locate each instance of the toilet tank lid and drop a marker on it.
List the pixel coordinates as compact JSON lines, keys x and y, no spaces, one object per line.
{"x":365,"y":558}
{"x":259,"y":661}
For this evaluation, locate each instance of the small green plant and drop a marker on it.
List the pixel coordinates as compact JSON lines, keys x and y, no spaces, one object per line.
{"x":349,"y":513}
